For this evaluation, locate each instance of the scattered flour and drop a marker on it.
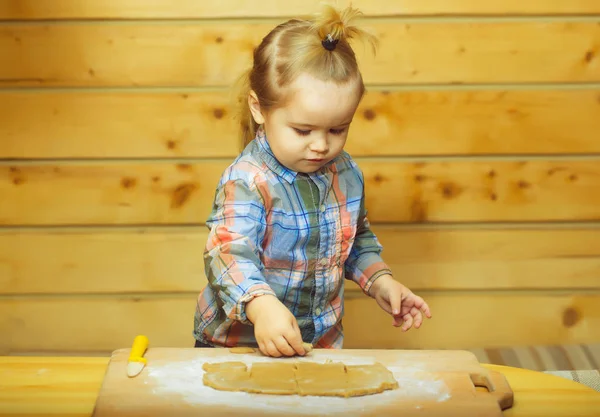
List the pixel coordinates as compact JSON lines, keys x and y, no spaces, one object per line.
{"x":184,"y":378}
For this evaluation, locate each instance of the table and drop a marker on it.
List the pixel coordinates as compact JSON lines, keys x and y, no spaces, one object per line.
{"x":68,"y":386}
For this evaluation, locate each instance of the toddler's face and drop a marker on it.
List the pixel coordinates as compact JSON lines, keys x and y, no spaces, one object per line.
{"x":311,"y":128}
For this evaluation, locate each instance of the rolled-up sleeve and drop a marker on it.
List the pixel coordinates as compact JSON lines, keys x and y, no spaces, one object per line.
{"x":232,"y":255}
{"x":365,"y":264}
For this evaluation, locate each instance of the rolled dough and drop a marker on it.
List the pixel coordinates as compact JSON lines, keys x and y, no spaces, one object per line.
{"x":300,"y":378}
{"x":241,"y":349}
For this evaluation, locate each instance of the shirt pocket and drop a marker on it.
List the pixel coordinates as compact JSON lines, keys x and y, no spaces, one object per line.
{"x":288,"y":245}
{"x":281,"y":247}
{"x":348,"y":228}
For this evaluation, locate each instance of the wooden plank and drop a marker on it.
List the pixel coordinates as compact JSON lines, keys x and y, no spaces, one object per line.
{"x":459,"y":321}
{"x":108,"y":193}
{"x":116,"y":125}
{"x":187,"y":54}
{"x":397,"y":191}
{"x":201,"y":124}
{"x":534,"y":190}
{"x":477,"y":123}
{"x":145,"y":260}
{"x":43,"y":386}
{"x":157,"y":260}
{"x":115,"y":9}
{"x":458,"y":191}
{"x":484,"y":319}
{"x":32,"y":377}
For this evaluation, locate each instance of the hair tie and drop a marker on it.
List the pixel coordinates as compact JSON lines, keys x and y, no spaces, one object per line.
{"x":329,"y":43}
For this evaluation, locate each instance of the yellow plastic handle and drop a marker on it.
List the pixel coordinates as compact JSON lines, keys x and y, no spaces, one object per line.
{"x":140,"y":344}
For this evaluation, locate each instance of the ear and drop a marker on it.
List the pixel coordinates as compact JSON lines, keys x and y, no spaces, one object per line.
{"x":254,"y":105}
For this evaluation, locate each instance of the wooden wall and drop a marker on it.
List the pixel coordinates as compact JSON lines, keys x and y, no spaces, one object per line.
{"x":479,"y":138}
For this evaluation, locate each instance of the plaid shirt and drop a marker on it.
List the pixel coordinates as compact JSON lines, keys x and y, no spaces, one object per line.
{"x":292,"y":235}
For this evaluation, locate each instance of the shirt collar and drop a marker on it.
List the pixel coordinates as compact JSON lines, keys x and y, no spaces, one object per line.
{"x":266,"y":154}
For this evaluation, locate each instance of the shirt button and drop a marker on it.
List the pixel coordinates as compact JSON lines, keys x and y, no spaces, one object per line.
{"x":323,"y":262}
{"x":323,"y":208}
{"x":318,"y":311}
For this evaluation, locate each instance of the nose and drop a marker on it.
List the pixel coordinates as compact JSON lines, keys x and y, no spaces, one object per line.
{"x":319,"y":144}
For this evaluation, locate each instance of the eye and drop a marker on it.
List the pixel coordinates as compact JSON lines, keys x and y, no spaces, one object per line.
{"x":302,"y":132}
{"x":337,"y":131}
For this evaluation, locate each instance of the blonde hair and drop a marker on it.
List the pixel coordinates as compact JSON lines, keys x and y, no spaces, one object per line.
{"x":295,"y":47}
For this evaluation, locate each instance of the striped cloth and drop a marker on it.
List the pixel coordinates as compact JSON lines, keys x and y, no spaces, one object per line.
{"x":569,"y":357}
{"x":589,"y":378}
{"x":577,"y":362}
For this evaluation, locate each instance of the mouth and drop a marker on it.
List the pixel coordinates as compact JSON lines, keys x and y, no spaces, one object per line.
{"x":315,"y":160}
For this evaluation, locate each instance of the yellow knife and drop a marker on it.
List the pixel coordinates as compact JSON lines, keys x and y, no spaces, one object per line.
{"x":137,"y":361}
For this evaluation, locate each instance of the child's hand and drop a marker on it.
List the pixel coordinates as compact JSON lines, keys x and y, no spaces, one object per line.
{"x":400,"y":302}
{"x":275,"y":327}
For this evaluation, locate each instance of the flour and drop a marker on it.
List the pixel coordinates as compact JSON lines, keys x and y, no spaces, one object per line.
{"x":42,"y":371}
{"x":184,"y":378}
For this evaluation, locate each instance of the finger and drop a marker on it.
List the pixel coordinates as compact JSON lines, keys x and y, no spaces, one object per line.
{"x":408,"y":321}
{"x":284,"y":347}
{"x":417,"y":317}
{"x":422,"y":305}
{"x":263,"y":349}
{"x":383,"y":303}
{"x":397,"y":319}
{"x":425,"y":309}
{"x":294,"y":339}
{"x":271,"y":349}
{"x":395,"y":302}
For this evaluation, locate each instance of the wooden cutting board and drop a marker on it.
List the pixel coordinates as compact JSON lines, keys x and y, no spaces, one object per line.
{"x":432,"y":383}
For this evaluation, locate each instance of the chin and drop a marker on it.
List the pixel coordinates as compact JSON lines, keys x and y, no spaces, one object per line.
{"x":307,"y":171}
{"x":308,"y":168}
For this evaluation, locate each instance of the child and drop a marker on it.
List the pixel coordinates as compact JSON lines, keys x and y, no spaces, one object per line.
{"x":289,"y":222}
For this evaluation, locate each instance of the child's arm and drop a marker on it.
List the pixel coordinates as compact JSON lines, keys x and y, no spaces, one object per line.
{"x":366,"y":267}
{"x":364,"y":264}
{"x":234,"y":268}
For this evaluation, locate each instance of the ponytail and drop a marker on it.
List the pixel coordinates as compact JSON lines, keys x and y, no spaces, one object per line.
{"x":339,"y":25}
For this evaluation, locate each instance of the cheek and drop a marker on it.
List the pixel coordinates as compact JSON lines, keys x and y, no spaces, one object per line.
{"x":285,"y":143}
{"x":295,"y":148}
{"x":338,"y":144}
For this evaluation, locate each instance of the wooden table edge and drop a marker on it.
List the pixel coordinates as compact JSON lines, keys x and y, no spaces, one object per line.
{"x":520,"y":379}
{"x":101,"y":361}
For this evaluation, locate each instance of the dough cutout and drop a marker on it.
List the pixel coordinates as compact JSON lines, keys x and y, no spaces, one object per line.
{"x":242,"y":349}
{"x":307,"y":347}
{"x":300,"y":378}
